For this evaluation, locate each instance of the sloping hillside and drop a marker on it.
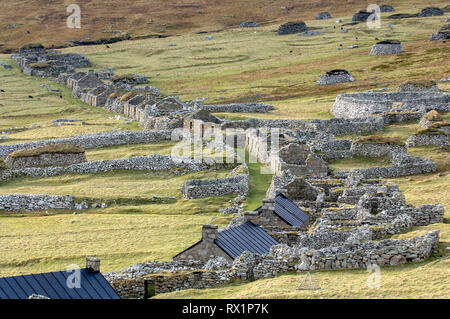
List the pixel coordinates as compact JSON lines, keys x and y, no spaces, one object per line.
{"x":23,"y":21}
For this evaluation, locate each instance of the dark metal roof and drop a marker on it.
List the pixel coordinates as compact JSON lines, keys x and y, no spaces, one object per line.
{"x":234,"y":241}
{"x":53,"y":285}
{"x":289,"y":212}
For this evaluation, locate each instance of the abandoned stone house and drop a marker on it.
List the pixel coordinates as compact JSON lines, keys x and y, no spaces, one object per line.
{"x":73,"y":79}
{"x":229,"y":243}
{"x":98,"y":96}
{"x":300,"y":160}
{"x":279,"y":214}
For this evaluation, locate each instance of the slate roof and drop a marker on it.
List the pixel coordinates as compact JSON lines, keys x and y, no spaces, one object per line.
{"x":53,"y":285}
{"x":289,"y":212}
{"x":234,"y":241}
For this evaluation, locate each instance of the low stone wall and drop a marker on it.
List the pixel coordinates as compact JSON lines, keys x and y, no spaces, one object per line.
{"x":45,"y":160}
{"x":375,"y":149}
{"x":155,"y":162}
{"x":96,"y":140}
{"x":164,"y":282}
{"x":135,"y":288}
{"x":408,"y":165}
{"x":350,"y":255}
{"x":336,"y":126}
{"x":216,"y":187}
{"x":427,"y":139}
{"x":239,"y":108}
{"x":22,"y":202}
{"x":355,"y":105}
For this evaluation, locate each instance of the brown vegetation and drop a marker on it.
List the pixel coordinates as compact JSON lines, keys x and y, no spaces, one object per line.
{"x":66,"y":148}
{"x":376,"y":139}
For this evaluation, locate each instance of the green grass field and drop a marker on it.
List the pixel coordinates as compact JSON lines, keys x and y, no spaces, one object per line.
{"x":236,"y":65}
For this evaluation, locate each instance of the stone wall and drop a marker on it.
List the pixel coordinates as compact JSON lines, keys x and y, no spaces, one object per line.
{"x":403,"y":165}
{"x":352,"y":254}
{"x":427,"y":139}
{"x":356,"y":105}
{"x":22,"y":202}
{"x":239,"y":108}
{"x":96,"y":140}
{"x":216,"y":187}
{"x":375,"y":149}
{"x":45,"y":160}
{"x":155,"y":162}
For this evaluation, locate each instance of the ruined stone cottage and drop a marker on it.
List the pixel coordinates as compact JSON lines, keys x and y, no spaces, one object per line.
{"x":229,"y":243}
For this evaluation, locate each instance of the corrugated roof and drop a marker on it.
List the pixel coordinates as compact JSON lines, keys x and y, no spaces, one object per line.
{"x":53,"y":285}
{"x":289,"y":212}
{"x":234,"y":241}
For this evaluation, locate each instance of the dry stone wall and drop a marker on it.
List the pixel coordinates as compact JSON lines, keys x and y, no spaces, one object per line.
{"x":155,"y":162}
{"x":427,"y":139}
{"x":23,"y":202}
{"x":96,"y":140}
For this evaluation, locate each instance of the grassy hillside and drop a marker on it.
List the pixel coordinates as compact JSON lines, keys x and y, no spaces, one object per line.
{"x":236,"y":65}
{"x":45,"y":21}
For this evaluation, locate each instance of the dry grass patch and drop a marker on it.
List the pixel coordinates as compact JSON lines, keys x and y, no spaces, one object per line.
{"x":66,"y":148}
{"x":3,"y":164}
{"x":433,"y":115}
{"x":376,"y":139}
{"x":40,"y":65}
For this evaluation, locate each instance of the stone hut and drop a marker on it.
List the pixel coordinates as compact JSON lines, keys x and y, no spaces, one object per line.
{"x":229,"y":243}
{"x":278,"y":215}
{"x":323,"y":15}
{"x":45,"y":156}
{"x":431,"y":12}
{"x":292,"y":27}
{"x":442,"y":34}
{"x":249,"y":24}
{"x":386,"y":47}
{"x":361,"y":16}
{"x":386,"y":8}
{"x":335,"y":76}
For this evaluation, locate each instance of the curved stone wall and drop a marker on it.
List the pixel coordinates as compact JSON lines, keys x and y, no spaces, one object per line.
{"x":355,"y":105}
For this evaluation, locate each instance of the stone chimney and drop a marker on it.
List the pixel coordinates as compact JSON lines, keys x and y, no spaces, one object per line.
{"x":268,"y":207}
{"x":90,"y":72}
{"x":250,"y":216}
{"x":93,"y":264}
{"x":209,"y":233}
